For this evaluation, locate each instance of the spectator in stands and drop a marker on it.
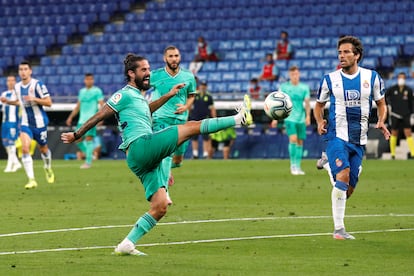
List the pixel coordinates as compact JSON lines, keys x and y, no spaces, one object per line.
{"x":412,"y":68}
{"x":270,"y":72}
{"x":283,"y":49}
{"x":400,"y":102}
{"x":222,"y":140}
{"x":203,"y":108}
{"x":203,"y":53}
{"x":255,"y":90}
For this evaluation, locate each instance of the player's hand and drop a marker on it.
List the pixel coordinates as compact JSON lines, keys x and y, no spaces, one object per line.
{"x":308,"y":121}
{"x":273,"y":124}
{"x":29,"y":98}
{"x":322,"y":127}
{"x":176,"y":88}
{"x":381,"y":126}
{"x":67,"y":137}
{"x":181,"y":108}
{"x":3,"y":99}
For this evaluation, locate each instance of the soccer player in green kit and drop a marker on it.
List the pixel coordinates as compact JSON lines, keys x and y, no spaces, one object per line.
{"x":175,"y":111}
{"x":145,"y":149}
{"x":299,"y":118}
{"x":89,"y":100}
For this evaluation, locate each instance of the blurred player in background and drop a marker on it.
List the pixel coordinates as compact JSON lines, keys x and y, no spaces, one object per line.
{"x":350,"y":92}
{"x":32,"y":95}
{"x":203,"y":108}
{"x":10,"y":125}
{"x":400,"y":101}
{"x":145,"y":148}
{"x":175,"y":111}
{"x":90,"y":99}
{"x":222,"y":140}
{"x":298,"y":119}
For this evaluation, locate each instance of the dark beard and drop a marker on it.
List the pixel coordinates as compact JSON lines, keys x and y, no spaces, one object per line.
{"x":171,"y":68}
{"x":140,"y":84}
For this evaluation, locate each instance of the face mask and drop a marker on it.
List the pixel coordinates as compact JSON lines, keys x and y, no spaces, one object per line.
{"x":400,"y":81}
{"x":200,"y":44}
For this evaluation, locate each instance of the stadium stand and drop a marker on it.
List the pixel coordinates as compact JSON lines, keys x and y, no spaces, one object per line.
{"x":242,"y":32}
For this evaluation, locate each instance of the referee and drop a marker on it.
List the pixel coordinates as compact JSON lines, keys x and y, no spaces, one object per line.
{"x":203,"y":108}
{"x":400,"y":102}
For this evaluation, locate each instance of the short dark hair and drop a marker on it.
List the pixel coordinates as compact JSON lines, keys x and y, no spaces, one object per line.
{"x":293,"y":68}
{"x":88,"y":75}
{"x":402,"y":74}
{"x":25,"y":62}
{"x":254,"y":80}
{"x":284,"y":32}
{"x":131,"y":63}
{"x":11,"y":76}
{"x":170,"y":47}
{"x":356,"y":43}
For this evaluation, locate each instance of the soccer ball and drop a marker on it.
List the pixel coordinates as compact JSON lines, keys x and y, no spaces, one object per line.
{"x":278,"y":105}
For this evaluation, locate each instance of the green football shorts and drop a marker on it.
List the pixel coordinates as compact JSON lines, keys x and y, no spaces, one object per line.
{"x":159,"y":125}
{"x":298,"y":129}
{"x":145,"y":155}
{"x":91,"y":132}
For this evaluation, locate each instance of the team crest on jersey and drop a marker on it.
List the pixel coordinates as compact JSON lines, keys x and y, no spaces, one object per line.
{"x":116,"y":98}
{"x":365,"y":84}
{"x":338,"y":162}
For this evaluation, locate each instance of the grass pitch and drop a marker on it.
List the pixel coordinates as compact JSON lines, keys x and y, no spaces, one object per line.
{"x":237,"y":217}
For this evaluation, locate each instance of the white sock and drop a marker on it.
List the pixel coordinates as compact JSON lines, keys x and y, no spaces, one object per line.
{"x":13,"y":155}
{"x":47,"y":159}
{"x":328,"y":169}
{"x":28,"y":165}
{"x":338,"y":207}
{"x":9,"y":157}
{"x":195,"y":153}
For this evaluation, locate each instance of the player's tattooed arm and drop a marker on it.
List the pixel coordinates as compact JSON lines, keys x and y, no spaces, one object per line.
{"x":159,"y":102}
{"x":103,"y":113}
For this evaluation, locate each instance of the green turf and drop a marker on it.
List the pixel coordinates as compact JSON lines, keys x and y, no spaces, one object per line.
{"x":108,"y":194}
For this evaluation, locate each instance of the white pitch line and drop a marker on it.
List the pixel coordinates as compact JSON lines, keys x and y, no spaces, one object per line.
{"x":202,"y":241}
{"x":194,"y":222}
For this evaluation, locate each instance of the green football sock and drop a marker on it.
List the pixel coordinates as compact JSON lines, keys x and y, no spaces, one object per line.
{"x":298,"y":158}
{"x":89,"y":151}
{"x":215,"y":124}
{"x":292,"y":154}
{"x":141,"y":227}
{"x":82,"y":146}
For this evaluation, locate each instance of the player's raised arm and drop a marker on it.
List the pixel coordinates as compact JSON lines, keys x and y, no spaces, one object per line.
{"x":162,"y":100}
{"x":70,"y":137}
{"x":382,"y":115}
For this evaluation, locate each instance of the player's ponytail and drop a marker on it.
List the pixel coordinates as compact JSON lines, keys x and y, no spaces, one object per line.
{"x":131,"y":63}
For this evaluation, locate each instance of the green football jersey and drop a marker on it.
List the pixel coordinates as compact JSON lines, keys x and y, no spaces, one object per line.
{"x":298,"y":94}
{"x":162,"y":82}
{"x":133,"y":114}
{"x":89,"y":102}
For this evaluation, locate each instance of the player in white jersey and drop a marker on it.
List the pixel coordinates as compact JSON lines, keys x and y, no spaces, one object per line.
{"x":350,"y":91}
{"x":32,"y":95}
{"x":9,"y":126}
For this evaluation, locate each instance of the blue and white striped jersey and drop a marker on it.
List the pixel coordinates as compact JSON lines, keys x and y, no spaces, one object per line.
{"x":32,"y":114}
{"x":10,"y":112}
{"x":350,"y":98}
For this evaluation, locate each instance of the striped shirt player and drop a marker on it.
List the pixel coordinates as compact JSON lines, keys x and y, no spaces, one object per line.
{"x":350,"y":91}
{"x":10,"y":125}
{"x":32,"y":95}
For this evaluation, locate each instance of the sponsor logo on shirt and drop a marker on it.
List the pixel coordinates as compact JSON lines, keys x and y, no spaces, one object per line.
{"x":352,"y":98}
{"x":116,"y":98}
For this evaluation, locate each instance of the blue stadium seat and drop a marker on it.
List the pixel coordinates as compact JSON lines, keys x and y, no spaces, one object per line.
{"x":301,"y":53}
{"x":214,"y":77}
{"x":369,"y":62}
{"x":231,"y":55}
{"x":252,"y":65}
{"x":390,"y":51}
{"x":316,"y":53}
{"x":309,"y":64}
{"x":408,"y":50}
{"x":267,"y":44}
{"x":235,"y":87}
{"x":243,"y":76}
{"x":223,"y":66}
{"x":228,"y":76}
{"x":237,"y":66}
{"x":253,"y":44}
